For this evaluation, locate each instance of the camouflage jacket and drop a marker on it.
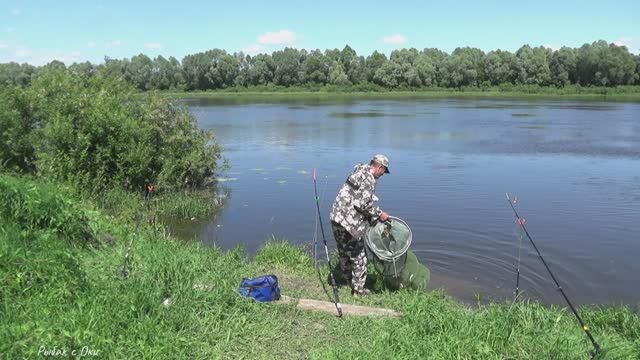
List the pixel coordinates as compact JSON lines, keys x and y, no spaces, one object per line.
{"x":355,"y":202}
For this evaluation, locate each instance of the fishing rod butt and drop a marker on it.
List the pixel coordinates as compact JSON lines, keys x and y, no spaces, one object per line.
{"x":336,"y":292}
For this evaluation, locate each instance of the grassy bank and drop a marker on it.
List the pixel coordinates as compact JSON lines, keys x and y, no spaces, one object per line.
{"x":60,"y":259}
{"x":622,"y":93}
{"x":177,"y":205}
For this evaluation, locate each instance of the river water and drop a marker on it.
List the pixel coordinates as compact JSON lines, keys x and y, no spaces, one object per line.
{"x":574,"y":167}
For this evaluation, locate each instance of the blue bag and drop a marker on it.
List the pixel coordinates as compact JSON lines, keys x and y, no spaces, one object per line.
{"x":263,"y":288}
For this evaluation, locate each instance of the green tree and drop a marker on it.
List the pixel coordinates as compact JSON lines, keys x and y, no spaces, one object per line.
{"x":426,"y":70}
{"x":337,"y":76}
{"x":316,"y":68}
{"x":404,"y":56}
{"x":463,"y":68}
{"x":637,"y":58}
{"x":222,"y":69}
{"x":411,"y":75}
{"x":244,"y":62}
{"x":533,"y":65}
{"x":407,"y":59}
{"x":604,"y":64}
{"x":333,"y":54}
{"x":499,"y":67}
{"x":114,"y":67}
{"x":563,"y":66}
{"x":288,"y":64}
{"x":261,"y":70}
{"x":373,"y":63}
{"x":194,"y":68}
{"x":16,"y":74}
{"x":83,"y":69}
{"x":161,"y":74}
{"x":179,"y":81}
{"x":390,"y":75}
{"x":436,"y":58}
{"x":138,"y":71}
{"x":353,"y":65}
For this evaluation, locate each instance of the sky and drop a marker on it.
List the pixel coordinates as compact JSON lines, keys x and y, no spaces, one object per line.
{"x":37,"y":32}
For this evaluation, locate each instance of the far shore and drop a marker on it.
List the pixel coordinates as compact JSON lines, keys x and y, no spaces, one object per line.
{"x":627,"y":94}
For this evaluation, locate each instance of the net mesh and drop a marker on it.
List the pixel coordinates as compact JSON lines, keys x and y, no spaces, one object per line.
{"x":388,"y":244}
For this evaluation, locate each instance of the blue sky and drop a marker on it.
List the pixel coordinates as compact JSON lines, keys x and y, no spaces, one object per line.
{"x":39,"y":31}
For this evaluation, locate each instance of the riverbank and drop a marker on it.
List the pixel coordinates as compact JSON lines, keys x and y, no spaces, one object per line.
{"x":62,"y":291}
{"x":622,"y":93}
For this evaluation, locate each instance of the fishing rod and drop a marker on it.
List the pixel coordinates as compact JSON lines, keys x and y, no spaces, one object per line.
{"x":315,"y":244}
{"x":521,"y":222}
{"x":517,"y":292}
{"x":326,"y":249}
{"x":315,"y":228}
{"x":147,"y":199}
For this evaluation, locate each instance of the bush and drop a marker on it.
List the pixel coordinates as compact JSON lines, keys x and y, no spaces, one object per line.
{"x":92,"y":132}
{"x":18,"y":131}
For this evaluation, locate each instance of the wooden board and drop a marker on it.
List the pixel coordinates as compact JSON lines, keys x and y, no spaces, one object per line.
{"x":347,"y":309}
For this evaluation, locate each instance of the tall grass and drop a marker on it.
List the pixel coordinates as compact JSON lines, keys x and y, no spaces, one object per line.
{"x":181,"y":205}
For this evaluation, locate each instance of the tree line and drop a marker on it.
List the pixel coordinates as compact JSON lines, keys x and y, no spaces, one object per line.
{"x":596,"y":64}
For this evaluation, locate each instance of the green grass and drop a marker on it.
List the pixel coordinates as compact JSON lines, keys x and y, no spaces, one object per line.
{"x":179,"y":205}
{"x":60,"y":291}
{"x":191,"y":204}
{"x":330,"y":93}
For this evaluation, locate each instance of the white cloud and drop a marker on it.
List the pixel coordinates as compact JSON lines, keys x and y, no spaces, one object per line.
{"x":66,"y":57}
{"x":551,"y":47}
{"x":394,"y":39}
{"x":44,"y":57}
{"x":624,"y":41}
{"x":253,"y":49}
{"x":115,"y":43}
{"x":153,"y":46}
{"x":24,"y":54}
{"x":282,"y":37}
{"x":16,"y":12}
{"x":91,"y":44}
{"x":633,"y":44}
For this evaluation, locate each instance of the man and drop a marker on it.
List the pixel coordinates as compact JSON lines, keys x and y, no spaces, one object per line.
{"x":355,"y":205}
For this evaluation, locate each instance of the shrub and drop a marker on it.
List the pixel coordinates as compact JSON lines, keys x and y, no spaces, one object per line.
{"x":94,"y":133}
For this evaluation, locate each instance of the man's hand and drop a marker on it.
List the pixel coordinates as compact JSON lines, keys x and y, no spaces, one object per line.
{"x":384,"y":216}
